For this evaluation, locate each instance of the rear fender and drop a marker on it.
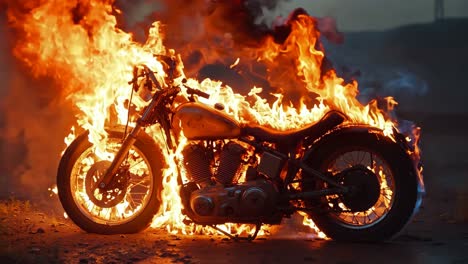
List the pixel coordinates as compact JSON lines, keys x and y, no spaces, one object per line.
{"x":343,"y":131}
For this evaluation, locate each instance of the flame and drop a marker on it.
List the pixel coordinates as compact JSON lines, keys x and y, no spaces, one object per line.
{"x":310,"y":223}
{"x":80,"y":45}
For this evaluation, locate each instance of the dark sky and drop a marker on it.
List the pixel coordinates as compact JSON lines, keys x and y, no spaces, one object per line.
{"x":354,"y":15}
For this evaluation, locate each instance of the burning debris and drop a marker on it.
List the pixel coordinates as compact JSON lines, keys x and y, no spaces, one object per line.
{"x":277,"y":76}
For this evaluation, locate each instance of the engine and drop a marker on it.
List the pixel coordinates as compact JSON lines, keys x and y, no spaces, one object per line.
{"x":213,"y":197}
{"x":203,"y":166}
{"x":197,"y":163}
{"x":230,"y":161}
{"x":248,"y":202}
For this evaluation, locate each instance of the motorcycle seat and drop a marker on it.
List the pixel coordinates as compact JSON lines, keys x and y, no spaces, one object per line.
{"x":262,"y":133}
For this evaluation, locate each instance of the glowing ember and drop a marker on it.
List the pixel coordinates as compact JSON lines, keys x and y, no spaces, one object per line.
{"x":53,"y":190}
{"x":91,"y":58}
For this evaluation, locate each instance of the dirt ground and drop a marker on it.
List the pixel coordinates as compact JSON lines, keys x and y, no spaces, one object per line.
{"x":29,"y":234}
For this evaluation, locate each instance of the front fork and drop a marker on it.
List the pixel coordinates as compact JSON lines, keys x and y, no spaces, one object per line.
{"x":128,"y":142}
{"x":120,"y":156}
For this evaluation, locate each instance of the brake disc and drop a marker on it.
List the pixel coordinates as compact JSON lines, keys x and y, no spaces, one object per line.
{"x":115,"y":191}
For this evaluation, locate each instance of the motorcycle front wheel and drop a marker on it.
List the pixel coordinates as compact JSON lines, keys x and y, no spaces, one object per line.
{"x":385,"y":186}
{"x":130,"y":205}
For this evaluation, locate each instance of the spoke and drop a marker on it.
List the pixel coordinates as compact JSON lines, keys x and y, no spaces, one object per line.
{"x":108,"y":215}
{"x":354,"y":157}
{"x":363,"y":216}
{"x":361,"y":160}
{"x":138,"y":193}
{"x":93,"y":206}
{"x":347,"y":161}
{"x":133,"y":184}
{"x":131,"y":202}
{"x":112,"y":213}
{"x":134,"y":164}
{"x":368,"y":217}
{"x":138,"y":200}
{"x":375,"y":213}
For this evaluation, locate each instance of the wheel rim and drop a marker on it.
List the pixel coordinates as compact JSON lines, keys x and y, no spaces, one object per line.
{"x":373,"y":162}
{"x":138,"y":187}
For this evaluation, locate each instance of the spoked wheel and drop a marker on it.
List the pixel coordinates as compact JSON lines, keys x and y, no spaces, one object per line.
{"x":382,"y":182}
{"x":372,"y":185}
{"x":128,"y":203}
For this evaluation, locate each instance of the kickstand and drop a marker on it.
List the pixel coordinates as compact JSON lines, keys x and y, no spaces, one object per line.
{"x":238,"y":238}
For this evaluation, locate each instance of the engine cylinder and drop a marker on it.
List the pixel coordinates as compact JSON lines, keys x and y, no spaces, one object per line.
{"x":197,"y":163}
{"x":229,"y":163}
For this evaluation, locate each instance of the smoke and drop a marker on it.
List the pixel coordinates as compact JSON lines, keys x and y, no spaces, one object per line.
{"x":403,"y":81}
{"x":380,"y":81}
{"x":211,"y":35}
{"x":240,"y":22}
{"x":256,"y":12}
{"x":4,"y":76}
{"x":33,"y":123}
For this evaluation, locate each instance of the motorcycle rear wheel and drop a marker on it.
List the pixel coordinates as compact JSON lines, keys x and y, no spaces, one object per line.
{"x":397,"y":188}
{"x":136,"y":198}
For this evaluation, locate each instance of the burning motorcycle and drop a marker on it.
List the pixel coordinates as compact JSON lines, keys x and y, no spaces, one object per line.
{"x":356,"y":183}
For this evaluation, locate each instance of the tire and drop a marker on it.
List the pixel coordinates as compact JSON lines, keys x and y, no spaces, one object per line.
{"x":77,"y":207}
{"x":404,"y":199}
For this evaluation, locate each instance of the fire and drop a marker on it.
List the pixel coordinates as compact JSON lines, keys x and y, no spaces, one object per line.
{"x":80,"y":45}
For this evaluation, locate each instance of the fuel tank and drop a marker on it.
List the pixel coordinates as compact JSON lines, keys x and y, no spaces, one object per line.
{"x":201,"y":122}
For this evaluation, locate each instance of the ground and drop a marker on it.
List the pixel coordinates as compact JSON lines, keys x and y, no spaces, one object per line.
{"x":33,"y":234}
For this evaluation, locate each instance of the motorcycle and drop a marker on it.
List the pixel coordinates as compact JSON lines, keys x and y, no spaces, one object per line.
{"x":356,"y":183}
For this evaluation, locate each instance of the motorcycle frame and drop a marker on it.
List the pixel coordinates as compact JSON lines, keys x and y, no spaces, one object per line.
{"x":159,"y":112}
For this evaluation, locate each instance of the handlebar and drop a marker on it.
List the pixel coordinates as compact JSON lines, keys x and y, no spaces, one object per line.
{"x":191,"y":91}
{"x":197,"y":92}
{"x":164,"y":94}
{"x":151,"y":78}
